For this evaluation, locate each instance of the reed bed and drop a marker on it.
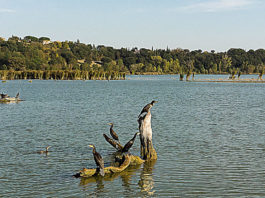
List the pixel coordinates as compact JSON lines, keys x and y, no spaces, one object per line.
{"x":61,"y":75}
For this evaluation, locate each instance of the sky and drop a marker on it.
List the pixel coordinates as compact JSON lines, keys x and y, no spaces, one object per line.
{"x":188,"y":24}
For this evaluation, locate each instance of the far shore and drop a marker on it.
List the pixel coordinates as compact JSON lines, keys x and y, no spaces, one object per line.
{"x":221,"y":80}
{"x":252,"y":80}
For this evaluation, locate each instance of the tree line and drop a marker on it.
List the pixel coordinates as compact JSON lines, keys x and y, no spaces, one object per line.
{"x":32,"y":53}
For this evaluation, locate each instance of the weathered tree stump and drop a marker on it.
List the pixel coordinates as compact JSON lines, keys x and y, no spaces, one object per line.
{"x":147,"y":149}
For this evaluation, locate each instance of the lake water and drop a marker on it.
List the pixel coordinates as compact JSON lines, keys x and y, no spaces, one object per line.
{"x":210,"y":138}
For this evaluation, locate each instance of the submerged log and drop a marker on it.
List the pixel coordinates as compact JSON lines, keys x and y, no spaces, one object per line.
{"x":125,"y":176}
{"x":128,"y":160}
{"x":147,"y":149}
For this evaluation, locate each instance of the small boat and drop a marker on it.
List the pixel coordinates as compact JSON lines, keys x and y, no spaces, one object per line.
{"x":7,"y":99}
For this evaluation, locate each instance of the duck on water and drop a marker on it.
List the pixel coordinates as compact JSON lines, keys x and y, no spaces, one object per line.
{"x":45,"y":151}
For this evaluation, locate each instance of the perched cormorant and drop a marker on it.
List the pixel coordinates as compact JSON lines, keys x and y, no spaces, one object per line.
{"x":112,"y":142}
{"x":98,"y":159}
{"x":17,"y":95}
{"x":129,"y":144}
{"x":46,"y":151}
{"x":112,"y":132}
{"x":147,"y":107}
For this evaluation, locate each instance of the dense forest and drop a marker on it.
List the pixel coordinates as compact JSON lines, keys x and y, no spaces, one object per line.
{"x":32,"y":53}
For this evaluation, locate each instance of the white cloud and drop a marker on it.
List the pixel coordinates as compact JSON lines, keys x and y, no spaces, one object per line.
{"x":6,"y":10}
{"x":218,"y":5}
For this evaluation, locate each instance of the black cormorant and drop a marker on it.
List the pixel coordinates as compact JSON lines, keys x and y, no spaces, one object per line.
{"x":46,"y":151}
{"x":147,"y":107}
{"x":112,"y":142}
{"x":17,"y":95}
{"x":98,"y":159}
{"x":129,"y":144}
{"x":112,"y":132}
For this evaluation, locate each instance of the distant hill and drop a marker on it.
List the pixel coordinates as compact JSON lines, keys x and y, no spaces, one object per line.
{"x":32,"y":53}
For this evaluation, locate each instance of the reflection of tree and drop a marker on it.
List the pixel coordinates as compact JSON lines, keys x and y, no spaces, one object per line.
{"x":100,"y":185}
{"x":146,"y":182}
{"x":98,"y":180}
{"x":127,"y":175}
{"x":146,"y":178}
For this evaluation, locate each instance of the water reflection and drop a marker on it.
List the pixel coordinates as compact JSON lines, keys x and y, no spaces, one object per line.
{"x":146,"y":182}
{"x":126,"y":176}
{"x":9,"y":102}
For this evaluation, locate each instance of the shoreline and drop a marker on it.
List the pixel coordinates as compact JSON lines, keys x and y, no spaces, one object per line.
{"x":230,"y":81}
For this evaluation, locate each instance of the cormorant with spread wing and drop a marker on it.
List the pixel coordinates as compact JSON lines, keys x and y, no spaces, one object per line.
{"x":129,"y":144}
{"x":98,"y":159}
{"x":147,"y":107}
{"x":112,"y":132}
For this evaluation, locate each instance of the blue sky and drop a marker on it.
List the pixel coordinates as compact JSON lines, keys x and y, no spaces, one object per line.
{"x":188,"y":24}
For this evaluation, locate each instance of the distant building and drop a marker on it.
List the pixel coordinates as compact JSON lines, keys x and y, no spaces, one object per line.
{"x":136,"y":51}
{"x":81,"y":61}
{"x":46,"y":42}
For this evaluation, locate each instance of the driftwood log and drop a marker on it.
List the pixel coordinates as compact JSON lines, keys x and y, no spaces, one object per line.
{"x":128,"y":160}
{"x":147,"y":149}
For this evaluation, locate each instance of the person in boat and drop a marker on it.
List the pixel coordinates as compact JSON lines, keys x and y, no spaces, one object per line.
{"x":3,"y":96}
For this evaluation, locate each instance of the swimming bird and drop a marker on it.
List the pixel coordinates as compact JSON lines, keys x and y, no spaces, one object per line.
{"x":98,"y":159}
{"x":147,"y":107}
{"x":129,"y":144}
{"x":46,"y":151}
{"x":112,"y":132}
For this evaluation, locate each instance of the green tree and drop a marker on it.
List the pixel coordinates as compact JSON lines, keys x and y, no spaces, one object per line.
{"x":31,"y":39}
{"x":17,"y":63}
{"x":225,"y":63}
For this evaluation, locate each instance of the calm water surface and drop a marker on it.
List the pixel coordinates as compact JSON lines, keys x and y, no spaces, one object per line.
{"x":210,"y":138}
